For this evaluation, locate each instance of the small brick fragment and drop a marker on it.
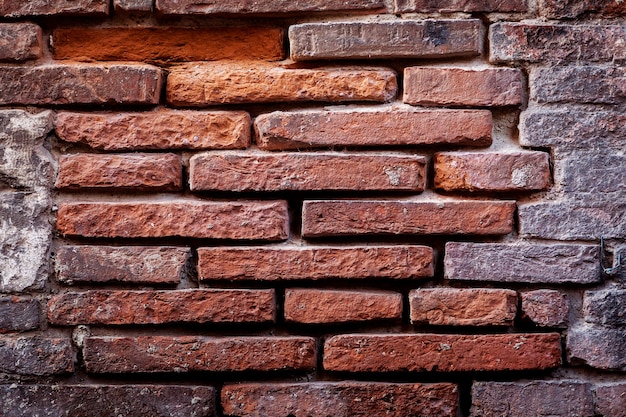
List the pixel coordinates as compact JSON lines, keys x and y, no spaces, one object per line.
{"x":380,"y":217}
{"x":442,"y":353}
{"x":314,"y":306}
{"x":20,"y":41}
{"x":19,"y":8}
{"x":203,"y":84}
{"x":606,"y":307}
{"x":18,"y":315}
{"x":148,"y":354}
{"x":545,"y":308}
{"x":584,"y":84}
{"x":340,"y":399}
{"x":247,"y":7}
{"x":306,"y":172}
{"x":463,"y":307}
{"x":132,"y":5}
{"x":611,"y":400}
{"x":315,"y":262}
{"x":137,"y":171}
{"x":467,"y":6}
{"x":36,"y":356}
{"x":597,"y":347}
{"x":463,"y":86}
{"x":559,"y":9}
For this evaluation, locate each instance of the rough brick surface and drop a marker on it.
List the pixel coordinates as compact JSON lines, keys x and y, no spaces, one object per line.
{"x":314,"y":306}
{"x":208,"y":84}
{"x":163,"y":129}
{"x":558,"y":9}
{"x":586,"y":84}
{"x":18,"y":8}
{"x":247,"y":220}
{"x":306,"y":172}
{"x":611,"y":400}
{"x":590,"y":171}
{"x":209,"y":7}
{"x":598,"y":347}
{"x":315,"y":262}
{"x":385,"y":39}
{"x":462,"y":86}
{"x":340,"y":399}
{"x":443,"y":353}
{"x":20,"y":41}
{"x":371,"y":126}
{"x":35,"y":356}
{"x":606,"y":307}
{"x":545,"y":308}
{"x":428,"y":6}
{"x":197,"y":353}
{"x":18,"y":315}
{"x":524,"y":262}
{"x":379,"y":217}
{"x":463,"y":307}
{"x":132,"y":5}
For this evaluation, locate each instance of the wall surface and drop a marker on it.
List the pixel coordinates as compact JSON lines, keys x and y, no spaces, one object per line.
{"x":313,"y":208}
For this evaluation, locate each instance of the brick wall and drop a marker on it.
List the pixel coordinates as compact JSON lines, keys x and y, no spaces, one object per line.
{"x":312,"y":208}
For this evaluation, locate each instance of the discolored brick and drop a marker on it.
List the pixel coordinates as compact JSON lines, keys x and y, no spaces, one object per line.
{"x":560,"y":9}
{"x":36,"y":356}
{"x":545,"y":308}
{"x":132,"y":5}
{"x":589,"y":171}
{"x":606,"y":307}
{"x":19,"y":8}
{"x":597,"y":347}
{"x":279,"y":7}
{"x":20,"y":41}
{"x":611,"y":400}
{"x":18,"y":314}
{"x":581,"y":84}
{"x":446,"y":6}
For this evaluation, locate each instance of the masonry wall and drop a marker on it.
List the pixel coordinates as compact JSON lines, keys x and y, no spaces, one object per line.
{"x":312,"y":208}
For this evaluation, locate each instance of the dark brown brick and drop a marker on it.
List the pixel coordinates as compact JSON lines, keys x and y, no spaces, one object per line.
{"x":245,"y":7}
{"x":20,"y":41}
{"x":545,"y":308}
{"x":18,"y":8}
{"x":611,"y":400}
{"x":559,"y":9}
{"x":447,"y":6}
{"x":586,"y":84}
{"x":36,"y":356}
{"x":18,"y":315}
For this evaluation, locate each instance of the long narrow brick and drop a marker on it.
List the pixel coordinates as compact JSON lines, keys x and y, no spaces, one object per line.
{"x":371,"y":126}
{"x":204,"y":84}
{"x":168,"y":44}
{"x":131,"y":6}
{"x":247,"y":7}
{"x":584,"y":84}
{"x":81,"y":84}
{"x":246,"y":220}
{"x":442,"y":352}
{"x":315,"y":306}
{"x":530,"y":262}
{"x":18,"y":315}
{"x":36,"y":356}
{"x":306,"y":172}
{"x":385,"y":39}
{"x":340,"y":399}
{"x":463,"y":306}
{"x":492,"y":171}
{"x":133,"y":171}
{"x":162,"y":129}
{"x":315,"y":262}
{"x":384,"y":217}
{"x":468,"y":6}
{"x":463,"y":86}
{"x":560,"y":9}
{"x":19,"y":8}
{"x":149,"y":354}
{"x":158,"y":307}
{"x":127,"y":264}
{"x":20,"y":41}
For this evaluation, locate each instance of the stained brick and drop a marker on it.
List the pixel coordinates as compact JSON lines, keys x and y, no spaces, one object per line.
{"x":36,"y":356}
{"x":20,"y":41}
{"x":18,"y":315}
{"x":558,"y":9}
{"x":590,"y":171}
{"x":239,"y":7}
{"x":446,"y":6}
{"x":18,"y":8}
{"x":611,"y":400}
{"x":606,"y":307}
{"x":545,"y":308}
{"x":132,"y":5}
{"x":585,"y":84}
{"x":598,"y":347}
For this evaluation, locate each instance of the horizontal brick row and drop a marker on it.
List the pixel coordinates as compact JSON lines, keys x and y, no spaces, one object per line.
{"x":20,"y":41}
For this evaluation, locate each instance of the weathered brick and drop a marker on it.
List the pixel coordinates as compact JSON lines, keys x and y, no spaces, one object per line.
{"x":18,"y":315}
{"x":313,"y":306}
{"x":586,"y":84}
{"x":36,"y":356}
{"x":545,"y":308}
{"x":306,"y":172}
{"x":385,"y":39}
{"x":20,"y":41}
{"x":562,"y":398}
{"x":442,"y":352}
{"x":315,"y":262}
{"x":463,"y":306}
{"x":204,"y":84}
{"x":543,"y":42}
{"x":447,"y":6}
{"x":463,"y":86}
{"x":598,"y":347}
{"x":492,"y":171}
{"x":198,"y":353}
{"x":606,"y":307}
{"x":559,"y":9}
{"x":106,"y":400}
{"x":247,"y":220}
{"x":168,"y":44}
{"x":81,"y":84}
{"x":128,"y":264}
{"x":371,"y":126}
{"x":157,"y":307}
{"x":238,"y":7}
{"x":162,"y":129}
{"x":380,"y":217}
{"x":340,"y":399}
{"x":611,"y":400}
{"x":590,"y":171}
{"x":530,"y":262}
{"x":132,"y":5}
{"x":18,"y":8}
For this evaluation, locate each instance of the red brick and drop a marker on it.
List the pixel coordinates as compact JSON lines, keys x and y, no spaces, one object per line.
{"x":18,"y":314}
{"x":158,"y":307}
{"x":203,"y":84}
{"x":385,"y":39}
{"x":611,"y":400}
{"x":371,"y":126}
{"x":463,"y":307}
{"x":386,"y":217}
{"x":128,"y":264}
{"x":442,"y":352}
{"x":447,"y":6}
{"x":20,"y":41}
{"x":18,"y":8}
{"x":36,"y":356}
{"x":559,"y":9}
{"x":545,"y":308}
{"x":198,"y":353}
{"x":81,"y":84}
{"x":239,"y":7}
{"x":463,"y":86}
{"x":340,"y":399}
{"x":335,"y":306}
{"x":315,"y":262}
{"x":493,"y":171}
{"x":162,"y":129}
{"x":168,"y":44}
{"x":306,"y":172}
{"x":247,"y":220}
{"x":122,"y":6}
{"x":136,"y":171}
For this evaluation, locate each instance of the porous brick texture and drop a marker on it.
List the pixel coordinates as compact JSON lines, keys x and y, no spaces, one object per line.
{"x":313,"y":208}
